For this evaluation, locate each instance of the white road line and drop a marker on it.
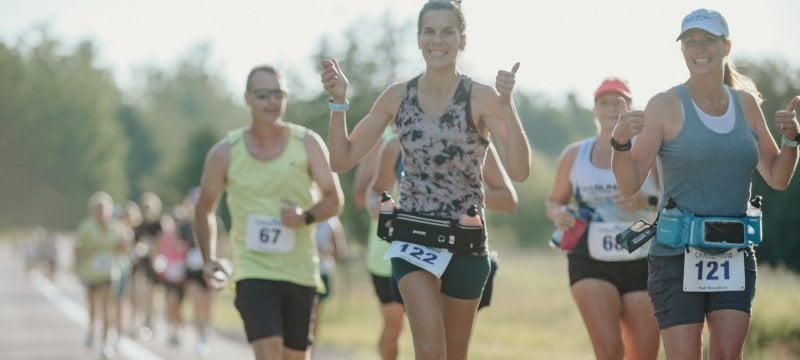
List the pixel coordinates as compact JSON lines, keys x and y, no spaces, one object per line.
{"x":127,"y":347}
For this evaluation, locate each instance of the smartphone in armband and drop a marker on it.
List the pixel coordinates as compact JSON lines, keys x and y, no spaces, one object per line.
{"x":636,"y":235}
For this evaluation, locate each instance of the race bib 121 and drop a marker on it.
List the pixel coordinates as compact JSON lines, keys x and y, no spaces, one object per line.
{"x":703,"y":272}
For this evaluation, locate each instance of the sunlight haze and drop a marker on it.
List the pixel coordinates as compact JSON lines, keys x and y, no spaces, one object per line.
{"x":563,"y":46}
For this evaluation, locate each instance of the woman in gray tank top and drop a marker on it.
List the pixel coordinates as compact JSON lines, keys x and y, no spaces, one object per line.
{"x":709,"y":135}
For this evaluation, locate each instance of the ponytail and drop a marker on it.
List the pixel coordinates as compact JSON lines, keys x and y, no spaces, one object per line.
{"x":739,"y":81}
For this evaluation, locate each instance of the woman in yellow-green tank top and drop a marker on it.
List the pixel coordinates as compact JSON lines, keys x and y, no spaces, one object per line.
{"x":99,"y":239}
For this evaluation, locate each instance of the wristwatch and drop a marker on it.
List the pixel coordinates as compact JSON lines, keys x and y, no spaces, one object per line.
{"x":338,"y":107}
{"x":620,"y":147}
{"x":652,"y":200}
{"x":309,"y":217}
{"x":790,"y":143}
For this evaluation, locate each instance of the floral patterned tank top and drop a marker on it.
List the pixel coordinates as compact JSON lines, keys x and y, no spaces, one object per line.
{"x":442,"y":154}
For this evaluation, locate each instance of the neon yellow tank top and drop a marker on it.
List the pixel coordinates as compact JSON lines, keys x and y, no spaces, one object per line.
{"x":376,"y":248}
{"x":98,"y":247}
{"x":262,"y":248}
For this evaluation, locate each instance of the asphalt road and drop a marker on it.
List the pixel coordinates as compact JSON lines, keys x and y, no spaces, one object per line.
{"x":45,"y":318}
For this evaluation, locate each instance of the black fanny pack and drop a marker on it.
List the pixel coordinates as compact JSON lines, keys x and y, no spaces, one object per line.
{"x":431,"y":231}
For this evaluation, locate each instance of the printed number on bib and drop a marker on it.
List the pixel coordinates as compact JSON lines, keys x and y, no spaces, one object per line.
{"x":703,"y":272}
{"x":431,"y":259}
{"x":603,"y":245}
{"x":267,"y":234}
{"x":194,"y":259}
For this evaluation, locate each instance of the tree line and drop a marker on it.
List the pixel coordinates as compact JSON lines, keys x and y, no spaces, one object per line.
{"x":67,"y":130}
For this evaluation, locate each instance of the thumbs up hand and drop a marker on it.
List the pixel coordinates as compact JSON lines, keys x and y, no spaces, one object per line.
{"x":505,"y":83}
{"x":629,"y":123}
{"x":333,"y":79}
{"x":786,"y":120}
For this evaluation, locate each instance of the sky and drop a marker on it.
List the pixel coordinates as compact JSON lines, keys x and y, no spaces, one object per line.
{"x":563,"y":46}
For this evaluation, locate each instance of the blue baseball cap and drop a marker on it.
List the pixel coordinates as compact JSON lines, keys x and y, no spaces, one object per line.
{"x":704,"y":19}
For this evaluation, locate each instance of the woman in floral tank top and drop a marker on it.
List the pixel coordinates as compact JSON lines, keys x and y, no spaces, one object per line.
{"x":444,"y":120}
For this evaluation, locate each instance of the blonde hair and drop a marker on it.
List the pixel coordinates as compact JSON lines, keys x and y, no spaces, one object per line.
{"x":131,"y":214}
{"x":100,"y":197}
{"x":150,"y":206}
{"x":739,"y":81}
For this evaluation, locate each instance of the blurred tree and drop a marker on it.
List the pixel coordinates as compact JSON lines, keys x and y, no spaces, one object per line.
{"x":143,"y":158}
{"x":174,"y":105}
{"x":528,"y":223}
{"x":190,"y":169}
{"x":59,"y":131}
{"x":370,"y":56}
{"x":551,"y":128}
{"x":778,"y":83}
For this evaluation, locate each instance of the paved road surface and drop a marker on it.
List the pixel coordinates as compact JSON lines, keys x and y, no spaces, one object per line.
{"x":43,"y":318}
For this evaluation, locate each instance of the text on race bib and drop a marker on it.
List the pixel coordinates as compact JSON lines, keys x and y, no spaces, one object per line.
{"x":604,"y":247}
{"x":267,"y":234}
{"x":433,"y":260}
{"x":703,"y":272}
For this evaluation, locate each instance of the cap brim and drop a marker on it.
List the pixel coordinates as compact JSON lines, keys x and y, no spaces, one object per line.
{"x":615,"y":91}
{"x":714,"y":32}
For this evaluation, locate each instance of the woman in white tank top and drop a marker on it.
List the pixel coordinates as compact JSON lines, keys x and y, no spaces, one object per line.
{"x":608,"y":284}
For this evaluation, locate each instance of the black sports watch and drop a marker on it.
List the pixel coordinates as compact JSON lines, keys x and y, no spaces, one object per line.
{"x":652,"y":200}
{"x":309,"y":217}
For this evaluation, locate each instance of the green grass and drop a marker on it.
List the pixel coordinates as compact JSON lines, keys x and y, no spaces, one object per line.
{"x":775,"y":326}
{"x":532,"y":315}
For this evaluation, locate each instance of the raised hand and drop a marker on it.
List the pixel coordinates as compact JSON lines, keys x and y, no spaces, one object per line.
{"x":505,"y":83}
{"x":333,"y":80}
{"x":629,"y":123}
{"x":786,"y":120}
